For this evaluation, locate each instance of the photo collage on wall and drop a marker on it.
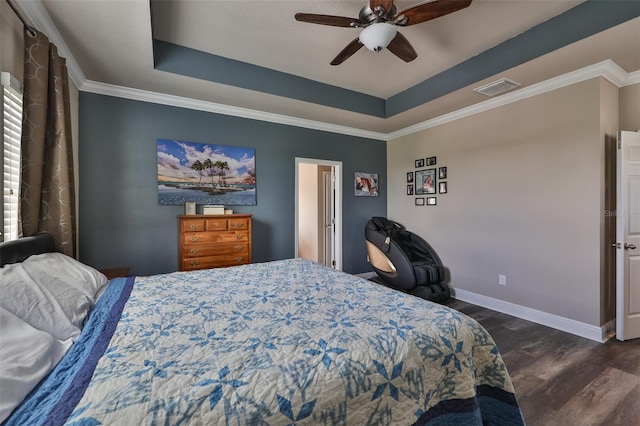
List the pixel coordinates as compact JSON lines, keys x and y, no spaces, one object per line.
{"x":427,"y":181}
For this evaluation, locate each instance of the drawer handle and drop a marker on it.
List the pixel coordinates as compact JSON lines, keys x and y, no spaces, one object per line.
{"x":195,"y":226}
{"x":239,"y":225}
{"x":239,"y":247}
{"x":239,"y":259}
{"x":194,"y":251}
{"x":194,"y":263}
{"x":216,"y":223}
{"x":239,"y":237}
{"x":195,"y":239}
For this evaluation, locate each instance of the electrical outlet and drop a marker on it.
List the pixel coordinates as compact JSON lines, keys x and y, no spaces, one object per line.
{"x":502,"y":279}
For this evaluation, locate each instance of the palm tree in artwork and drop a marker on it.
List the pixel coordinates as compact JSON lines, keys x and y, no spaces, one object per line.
{"x":198,"y":167}
{"x":209,"y":166}
{"x":218,"y":165}
{"x":222,"y":166}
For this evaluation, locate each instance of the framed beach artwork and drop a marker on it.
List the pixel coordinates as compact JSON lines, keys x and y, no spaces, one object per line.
{"x":191,"y":172}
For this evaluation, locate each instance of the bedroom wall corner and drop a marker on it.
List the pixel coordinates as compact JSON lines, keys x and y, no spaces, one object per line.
{"x":11,"y":42}
{"x":524,"y":200}
{"x":609,"y":126}
{"x":630,"y":107}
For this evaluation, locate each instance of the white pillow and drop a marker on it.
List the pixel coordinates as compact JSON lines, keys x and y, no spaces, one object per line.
{"x":27,"y":355}
{"x":52,"y":292}
{"x":75,"y":274}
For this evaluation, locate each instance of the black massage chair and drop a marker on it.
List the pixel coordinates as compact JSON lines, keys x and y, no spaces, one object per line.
{"x":405,"y":261}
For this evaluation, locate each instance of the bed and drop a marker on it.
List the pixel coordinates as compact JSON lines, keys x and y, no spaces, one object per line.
{"x":277,"y":343}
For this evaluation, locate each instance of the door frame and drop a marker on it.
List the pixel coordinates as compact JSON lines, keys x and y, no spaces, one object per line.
{"x":337,"y":166}
{"x":328,"y":212}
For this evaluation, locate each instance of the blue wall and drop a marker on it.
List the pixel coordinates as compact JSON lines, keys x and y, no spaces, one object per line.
{"x":121,"y":223}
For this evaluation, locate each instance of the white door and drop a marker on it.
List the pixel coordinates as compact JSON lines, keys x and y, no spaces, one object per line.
{"x":628,"y":236}
{"x":328,"y":187}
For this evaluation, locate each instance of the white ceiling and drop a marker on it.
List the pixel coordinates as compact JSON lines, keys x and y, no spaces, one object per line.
{"x":111,"y":41}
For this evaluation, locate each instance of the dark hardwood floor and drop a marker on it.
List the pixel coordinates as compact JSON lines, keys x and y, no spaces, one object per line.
{"x":562,"y":379}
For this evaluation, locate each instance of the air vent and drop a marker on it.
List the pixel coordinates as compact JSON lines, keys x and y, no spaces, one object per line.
{"x":497,"y":87}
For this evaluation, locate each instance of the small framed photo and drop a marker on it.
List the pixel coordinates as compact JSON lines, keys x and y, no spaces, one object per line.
{"x":420,"y":201}
{"x":190,"y":208}
{"x":409,"y":189}
{"x":419,"y":163}
{"x":409,"y":177}
{"x":432,"y":201}
{"x":442,"y":173}
{"x":442,"y":187}
{"x":366,"y":184}
{"x":431,"y":161}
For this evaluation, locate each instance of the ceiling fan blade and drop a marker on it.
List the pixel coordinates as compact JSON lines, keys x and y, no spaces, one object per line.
{"x":386,"y":5}
{"x":401,"y":47}
{"x":346,"y":53}
{"x":335,"y":21}
{"x":426,"y":11}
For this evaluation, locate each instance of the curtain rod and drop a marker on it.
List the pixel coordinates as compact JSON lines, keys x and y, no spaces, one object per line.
{"x":27,"y":26}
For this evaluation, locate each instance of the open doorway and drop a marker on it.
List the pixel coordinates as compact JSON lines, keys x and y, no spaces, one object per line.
{"x":318,"y":227}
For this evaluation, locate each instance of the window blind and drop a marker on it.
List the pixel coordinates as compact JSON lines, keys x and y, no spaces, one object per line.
{"x":12,"y":132}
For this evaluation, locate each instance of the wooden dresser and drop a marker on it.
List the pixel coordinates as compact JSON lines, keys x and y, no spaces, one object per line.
{"x":213,"y":241}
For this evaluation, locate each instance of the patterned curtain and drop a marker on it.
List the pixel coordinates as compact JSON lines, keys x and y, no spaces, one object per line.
{"x":47,"y":191}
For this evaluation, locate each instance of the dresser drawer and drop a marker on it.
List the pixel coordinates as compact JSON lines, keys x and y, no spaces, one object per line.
{"x":238,"y":224}
{"x":196,"y":250}
{"x":217,"y":224}
{"x":214,"y":237}
{"x":189,"y":264}
{"x":193,"y":225}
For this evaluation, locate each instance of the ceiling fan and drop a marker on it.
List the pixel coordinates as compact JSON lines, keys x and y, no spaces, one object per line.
{"x":379,"y":19}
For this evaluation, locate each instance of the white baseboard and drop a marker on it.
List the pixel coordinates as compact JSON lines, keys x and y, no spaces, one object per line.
{"x":592,"y":332}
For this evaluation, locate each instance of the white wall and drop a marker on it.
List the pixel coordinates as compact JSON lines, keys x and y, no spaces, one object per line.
{"x":630,"y":107}
{"x":525,"y":196}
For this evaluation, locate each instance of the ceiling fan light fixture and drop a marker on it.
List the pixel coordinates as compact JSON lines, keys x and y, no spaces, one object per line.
{"x":378,"y":36}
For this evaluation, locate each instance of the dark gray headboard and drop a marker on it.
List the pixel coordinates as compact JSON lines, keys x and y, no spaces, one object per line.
{"x":18,"y":250}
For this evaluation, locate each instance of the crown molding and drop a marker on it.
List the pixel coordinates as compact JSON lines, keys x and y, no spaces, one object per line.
{"x":608,"y":70}
{"x":35,"y":13}
{"x":632,"y":78}
{"x":189,"y":103}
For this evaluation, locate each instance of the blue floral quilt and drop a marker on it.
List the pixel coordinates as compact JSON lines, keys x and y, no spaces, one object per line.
{"x":280,"y":343}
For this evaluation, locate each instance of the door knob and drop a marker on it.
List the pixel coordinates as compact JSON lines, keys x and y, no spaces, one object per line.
{"x":628,"y":246}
